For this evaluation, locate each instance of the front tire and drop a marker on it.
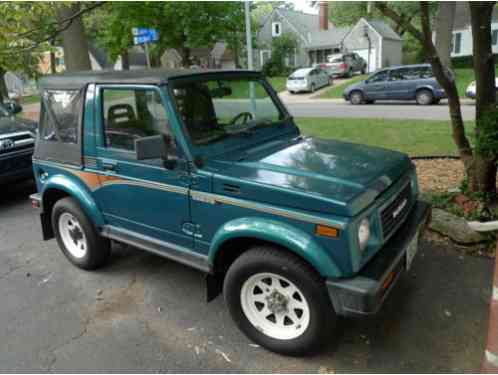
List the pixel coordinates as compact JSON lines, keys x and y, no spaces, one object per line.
{"x":78,"y":239}
{"x":278,"y":301}
{"x":356,"y":98}
{"x":313,"y":88}
{"x":424,"y":97}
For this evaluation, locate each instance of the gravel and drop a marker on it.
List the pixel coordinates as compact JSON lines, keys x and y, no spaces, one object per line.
{"x":439,"y":175}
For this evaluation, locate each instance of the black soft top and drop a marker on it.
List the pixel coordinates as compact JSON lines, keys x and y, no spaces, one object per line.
{"x":79,"y":80}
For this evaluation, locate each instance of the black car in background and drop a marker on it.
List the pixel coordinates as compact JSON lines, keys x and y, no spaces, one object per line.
{"x":17,"y":141}
{"x":408,"y":82}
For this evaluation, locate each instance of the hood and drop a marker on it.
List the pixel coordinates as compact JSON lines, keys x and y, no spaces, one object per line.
{"x":354,"y":86}
{"x":15,"y":124}
{"x":329,"y":175}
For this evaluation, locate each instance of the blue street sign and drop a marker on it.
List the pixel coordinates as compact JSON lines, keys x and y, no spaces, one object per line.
{"x":143,"y":35}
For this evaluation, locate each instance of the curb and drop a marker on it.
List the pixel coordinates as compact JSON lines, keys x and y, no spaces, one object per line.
{"x":490,"y":360}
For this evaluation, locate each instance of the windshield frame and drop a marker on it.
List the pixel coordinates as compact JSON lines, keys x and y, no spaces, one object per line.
{"x":284,"y":126}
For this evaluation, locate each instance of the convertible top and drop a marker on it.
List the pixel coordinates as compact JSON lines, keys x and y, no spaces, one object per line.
{"x":79,"y":80}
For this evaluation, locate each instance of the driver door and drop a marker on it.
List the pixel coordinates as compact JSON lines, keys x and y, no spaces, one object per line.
{"x":139,"y":196}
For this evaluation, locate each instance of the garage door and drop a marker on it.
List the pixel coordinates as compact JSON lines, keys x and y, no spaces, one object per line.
{"x":373,"y":60}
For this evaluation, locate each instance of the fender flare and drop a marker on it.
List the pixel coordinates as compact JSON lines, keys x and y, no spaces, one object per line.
{"x":279,"y":233}
{"x":78,"y":190}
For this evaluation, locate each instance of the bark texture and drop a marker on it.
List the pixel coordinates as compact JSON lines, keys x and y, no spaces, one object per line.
{"x":486,"y":121}
{"x":443,"y":27}
{"x":74,"y":41}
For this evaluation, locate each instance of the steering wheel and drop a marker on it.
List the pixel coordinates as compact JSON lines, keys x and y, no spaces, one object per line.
{"x":244,"y":116}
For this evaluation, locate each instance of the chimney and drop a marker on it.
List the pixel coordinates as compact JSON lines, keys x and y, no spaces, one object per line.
{"x":323,"y":15}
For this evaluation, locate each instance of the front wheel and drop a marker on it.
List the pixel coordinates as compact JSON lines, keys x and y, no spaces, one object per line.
{"x":424,"y":97}
{"x":278,"y":301}
{"x":356,"y":97}
{"x":313,"y":87}
{"x":77,"y":237}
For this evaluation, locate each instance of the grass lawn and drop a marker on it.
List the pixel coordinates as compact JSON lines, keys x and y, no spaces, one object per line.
{"x":414,"y":137}
{"x":30,"y":99}
{"x":464,"y":77}
{"x":336,"y":90}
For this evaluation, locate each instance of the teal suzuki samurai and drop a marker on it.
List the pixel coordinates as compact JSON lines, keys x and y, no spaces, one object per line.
{"x":208,"y":168}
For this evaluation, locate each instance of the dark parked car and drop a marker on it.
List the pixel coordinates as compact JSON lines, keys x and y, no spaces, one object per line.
{"x":409,"y":82}
{"x":17,"y":141}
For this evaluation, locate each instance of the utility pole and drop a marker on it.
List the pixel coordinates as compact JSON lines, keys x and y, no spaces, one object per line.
{"x":248,"y":35}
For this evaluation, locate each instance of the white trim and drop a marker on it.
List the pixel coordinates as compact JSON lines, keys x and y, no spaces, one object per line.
{"x":495,"y":293}
{"x":492,"y":358}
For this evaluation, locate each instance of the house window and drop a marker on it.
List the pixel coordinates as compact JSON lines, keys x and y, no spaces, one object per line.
{"x":494,"y":37}
{"x":276,"y":29}
{"x":457,"y":43}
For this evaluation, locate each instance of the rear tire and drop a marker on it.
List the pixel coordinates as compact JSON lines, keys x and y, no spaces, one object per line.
{"x":77,"y":237}
{"x":356,"y":98}
{"x":279,"y":301}
{"x":424,"y":97}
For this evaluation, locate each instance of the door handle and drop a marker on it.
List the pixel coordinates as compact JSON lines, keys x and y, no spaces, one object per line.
{"x":109,"y":165}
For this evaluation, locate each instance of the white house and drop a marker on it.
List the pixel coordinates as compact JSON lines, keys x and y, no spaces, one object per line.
{"x":462,"y":32}
{"x":317,"y":38}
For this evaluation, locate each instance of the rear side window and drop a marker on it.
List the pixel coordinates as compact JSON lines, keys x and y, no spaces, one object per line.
{"x":132,"y":114}
{"x":61,"y":116}
{"x":379,"y":77}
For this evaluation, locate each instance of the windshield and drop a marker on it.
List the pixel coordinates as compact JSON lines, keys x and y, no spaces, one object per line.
{"x":335,"y":59}
{"x":216,"y":109}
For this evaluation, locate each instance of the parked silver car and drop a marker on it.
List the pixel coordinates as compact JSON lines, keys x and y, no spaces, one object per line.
{"x":308,"y":79}
{"x":344,"y":64}
{"x":470,"y":92}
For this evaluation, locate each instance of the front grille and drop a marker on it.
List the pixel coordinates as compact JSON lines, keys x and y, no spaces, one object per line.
{"x":15,"y":164}
{"x":16,"y":142}
{"x":395,"y":212}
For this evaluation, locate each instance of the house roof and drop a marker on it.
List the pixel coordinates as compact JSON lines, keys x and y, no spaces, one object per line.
{"x":462,"y":16}
{"x":328,"y":38}
{"x":79,"y":80}
{"x":383,"y":29}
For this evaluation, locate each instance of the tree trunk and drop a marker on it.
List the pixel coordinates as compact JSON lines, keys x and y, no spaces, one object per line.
{"x":125,"y":60}
{"x":486,"y":115}
{"x":74,"y":41}
{"x":4,"y":92}
{"x":443,"y":27}
{"x":185,"y":53}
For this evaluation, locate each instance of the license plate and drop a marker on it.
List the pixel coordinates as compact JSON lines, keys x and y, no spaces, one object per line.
{"x":411,"y":250}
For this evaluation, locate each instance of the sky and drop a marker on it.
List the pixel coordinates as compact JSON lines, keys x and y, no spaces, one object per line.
{"x":304,"y":6}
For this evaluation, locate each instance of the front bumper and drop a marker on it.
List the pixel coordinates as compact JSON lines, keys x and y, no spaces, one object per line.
{"x":365,"y":293}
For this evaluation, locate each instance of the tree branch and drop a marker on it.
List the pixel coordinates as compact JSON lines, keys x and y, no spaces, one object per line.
{"x":401,"y":21}
{"x":65,"y":24}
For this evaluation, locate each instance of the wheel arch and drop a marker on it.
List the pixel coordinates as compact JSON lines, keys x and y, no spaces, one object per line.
{"x":239,"y":235}
{"x":59,"y":186}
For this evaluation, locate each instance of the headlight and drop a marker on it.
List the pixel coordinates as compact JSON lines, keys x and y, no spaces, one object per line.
{"x":363,"y":233}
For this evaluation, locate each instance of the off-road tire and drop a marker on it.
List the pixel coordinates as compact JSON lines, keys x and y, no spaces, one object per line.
{"x":98,"y":248}
{"x":268,"y":259}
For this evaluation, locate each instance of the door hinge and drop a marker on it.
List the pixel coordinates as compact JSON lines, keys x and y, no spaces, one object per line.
{"x":192,"y":229}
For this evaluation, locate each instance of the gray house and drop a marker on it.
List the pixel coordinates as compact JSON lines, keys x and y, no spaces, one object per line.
{"x":317,"y":38}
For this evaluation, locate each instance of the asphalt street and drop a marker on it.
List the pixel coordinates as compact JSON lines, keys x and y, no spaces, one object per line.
{"x":385,"y":110}
{"x":143,"y":313}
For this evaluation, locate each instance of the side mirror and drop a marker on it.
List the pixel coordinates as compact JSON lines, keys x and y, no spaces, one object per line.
{"x":157,"y":147}
{"x":13,"y":108}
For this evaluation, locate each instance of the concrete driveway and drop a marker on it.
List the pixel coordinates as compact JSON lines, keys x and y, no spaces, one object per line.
{"x":145,"y":314}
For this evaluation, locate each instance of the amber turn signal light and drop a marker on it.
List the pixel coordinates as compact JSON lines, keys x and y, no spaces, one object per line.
{"x":323,"y":230}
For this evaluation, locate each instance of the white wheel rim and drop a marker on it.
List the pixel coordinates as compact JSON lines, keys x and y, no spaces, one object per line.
{"x":275,"y":306}
{"x":72,"y":235}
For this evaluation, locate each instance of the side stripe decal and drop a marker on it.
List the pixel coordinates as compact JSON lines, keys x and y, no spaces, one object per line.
{"x":96,"y":181}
